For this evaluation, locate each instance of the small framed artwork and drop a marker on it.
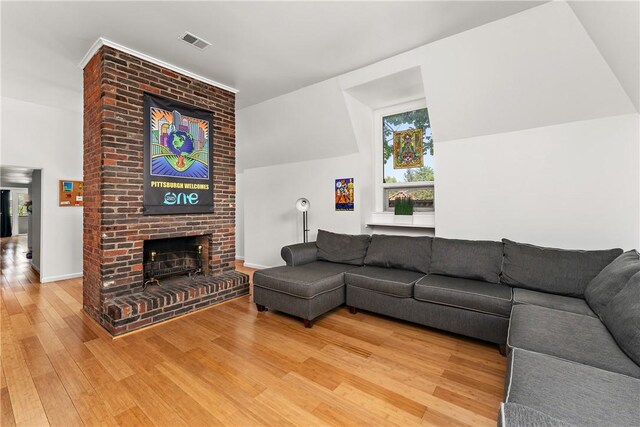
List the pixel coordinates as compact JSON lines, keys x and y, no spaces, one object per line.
{"x":71,"y":193}
{"x":344,"y":194}
{"x":407,"y":149}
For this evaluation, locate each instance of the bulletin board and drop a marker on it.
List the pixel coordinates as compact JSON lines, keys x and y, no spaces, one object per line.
{"x":70,"y":193}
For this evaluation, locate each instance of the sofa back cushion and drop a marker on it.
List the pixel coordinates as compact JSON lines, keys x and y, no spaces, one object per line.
{"x":611,"y":280}
{"x":468,"y":259}
{"x":343,"y":248}
{"x":407,"y":253}
{"x":622,"y":317}
{"x":557,"y":271}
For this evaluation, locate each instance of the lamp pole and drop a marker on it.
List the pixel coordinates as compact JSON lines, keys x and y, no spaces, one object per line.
{"x":305,"y":230}
{"x":302,"y":205}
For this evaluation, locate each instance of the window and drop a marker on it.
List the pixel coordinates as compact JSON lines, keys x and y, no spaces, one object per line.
{"x":22,"y":204}
{"x":407,"y":159}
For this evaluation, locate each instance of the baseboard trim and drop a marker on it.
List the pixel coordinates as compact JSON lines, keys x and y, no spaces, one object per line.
{"x":60,"y":277}
{"x":256,"y":266}
{"x":239,"y":258}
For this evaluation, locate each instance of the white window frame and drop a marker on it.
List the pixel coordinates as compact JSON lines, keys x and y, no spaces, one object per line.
{"x":378,"y":172}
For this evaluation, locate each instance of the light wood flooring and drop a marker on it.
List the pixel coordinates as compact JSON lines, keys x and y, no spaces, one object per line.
{"x":229,"y":365}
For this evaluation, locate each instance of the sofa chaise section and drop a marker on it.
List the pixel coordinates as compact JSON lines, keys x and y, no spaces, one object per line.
{"x":570,"y":392}
{"x":306,"y":291}
{"x":312,"y":282}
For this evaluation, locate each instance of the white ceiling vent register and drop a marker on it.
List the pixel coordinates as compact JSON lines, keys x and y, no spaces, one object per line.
{"x":194,"y":40}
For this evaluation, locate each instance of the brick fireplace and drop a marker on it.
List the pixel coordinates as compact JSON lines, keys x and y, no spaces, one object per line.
{"x":175,"y":256}
{"x":117,"y":235}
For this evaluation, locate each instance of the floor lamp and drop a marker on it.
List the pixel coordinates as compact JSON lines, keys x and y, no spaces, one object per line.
{"x":302,"y":205}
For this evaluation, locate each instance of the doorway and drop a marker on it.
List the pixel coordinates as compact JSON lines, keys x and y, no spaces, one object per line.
{"x":20,"y":210}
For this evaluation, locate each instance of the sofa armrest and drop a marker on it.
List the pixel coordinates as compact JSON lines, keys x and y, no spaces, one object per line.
{"x":298,"y":254}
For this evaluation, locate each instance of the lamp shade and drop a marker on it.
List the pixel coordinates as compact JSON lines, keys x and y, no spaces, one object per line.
{"x":302,"y":204}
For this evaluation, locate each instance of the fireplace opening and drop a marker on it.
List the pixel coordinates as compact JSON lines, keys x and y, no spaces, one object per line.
{"x":178,"y":256}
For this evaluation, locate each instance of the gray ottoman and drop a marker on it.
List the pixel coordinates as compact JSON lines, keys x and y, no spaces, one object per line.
{"x":305,"y":291}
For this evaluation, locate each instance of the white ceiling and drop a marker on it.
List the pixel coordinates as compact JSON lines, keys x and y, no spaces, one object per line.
{"x":614,"y":27}
{"x":393,"y":89}
{"x":11,"y":175}
{"x":263,"y":49}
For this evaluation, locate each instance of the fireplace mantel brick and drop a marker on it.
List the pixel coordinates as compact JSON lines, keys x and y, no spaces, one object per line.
{"x":114,"y":226}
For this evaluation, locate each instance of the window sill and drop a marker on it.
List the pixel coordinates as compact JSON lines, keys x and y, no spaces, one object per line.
{"x":388,"y":219}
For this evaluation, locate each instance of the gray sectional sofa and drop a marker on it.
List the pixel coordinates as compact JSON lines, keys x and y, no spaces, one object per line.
{"x":569,"y":319}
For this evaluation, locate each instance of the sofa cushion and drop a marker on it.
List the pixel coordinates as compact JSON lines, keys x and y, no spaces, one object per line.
{"x":469,"y":294}
{"x":468,"y":259}
{"x":557,"y":302}
{"x":342,"y":248}
{"x":403,"y":252}
{"x":611,"y":280}
{"x":569,"y":336}
{"x":571,"y":392}
{"x":557,"y":271}
{"x":622,"y":317}
{"x":389,"y":281}
{"x":516,"y":415}
{"x":303,"y":281}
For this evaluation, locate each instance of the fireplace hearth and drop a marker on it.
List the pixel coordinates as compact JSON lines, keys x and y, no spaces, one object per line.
{"x":176,"y":296}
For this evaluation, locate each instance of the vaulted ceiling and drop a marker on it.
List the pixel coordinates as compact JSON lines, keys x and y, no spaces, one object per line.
{"x":541,"y":67}
{"x":263,"y":49}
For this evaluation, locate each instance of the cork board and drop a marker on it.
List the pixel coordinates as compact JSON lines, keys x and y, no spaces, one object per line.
{"x":70,"y":193}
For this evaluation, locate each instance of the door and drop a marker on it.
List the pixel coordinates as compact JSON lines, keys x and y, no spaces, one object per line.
{"x":5,"y":213}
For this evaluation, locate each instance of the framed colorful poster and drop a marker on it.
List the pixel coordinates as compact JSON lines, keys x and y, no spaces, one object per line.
{"x":407,"y":149}
{"x":344,"y":194}
{"x":178,"y":174}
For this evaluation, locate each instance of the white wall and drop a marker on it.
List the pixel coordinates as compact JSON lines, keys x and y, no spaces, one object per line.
{"x":309,"y":123}
{"x":50,"y":139}
{"x":536,"y":140}
{"x":271,"y":220}
{"x":270,"y":195}
{"x":573,"y":185}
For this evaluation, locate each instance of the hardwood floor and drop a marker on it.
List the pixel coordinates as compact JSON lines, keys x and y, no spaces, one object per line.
{"x":230,"y":365}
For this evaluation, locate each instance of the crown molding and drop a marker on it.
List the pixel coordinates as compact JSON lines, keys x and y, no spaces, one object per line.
{"x":105,"y":42}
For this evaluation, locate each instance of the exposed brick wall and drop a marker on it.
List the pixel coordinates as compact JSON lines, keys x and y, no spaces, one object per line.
{"x":92,"y":251}
{"x":114,"y":226}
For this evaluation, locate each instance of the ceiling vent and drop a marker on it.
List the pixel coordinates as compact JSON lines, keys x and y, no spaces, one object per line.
{"x":194,"y":40}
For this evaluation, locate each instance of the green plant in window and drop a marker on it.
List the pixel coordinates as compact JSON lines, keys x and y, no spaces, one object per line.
{"x":403,"y":206}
